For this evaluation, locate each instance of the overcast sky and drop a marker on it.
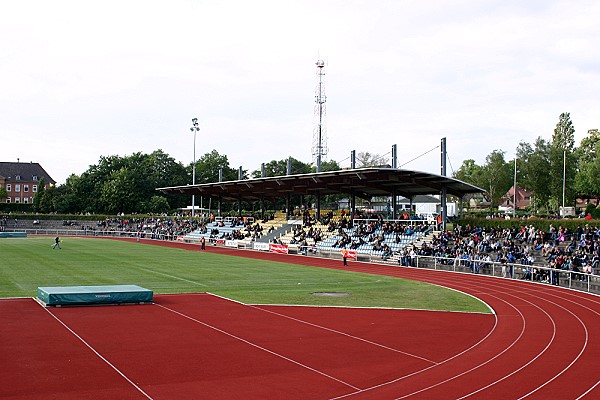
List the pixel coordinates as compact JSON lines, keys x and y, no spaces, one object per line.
{"x":84,"y":79}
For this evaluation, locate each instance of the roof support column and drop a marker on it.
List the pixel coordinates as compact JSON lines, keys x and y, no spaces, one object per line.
{"x":444,"y":207}
{"x":444,"y":188}
{"x":352,"y":204}
{"x":288,"y":204}
{"x":262,"y":207}
{"x":394,"y":204}
{"x":318,"y":205}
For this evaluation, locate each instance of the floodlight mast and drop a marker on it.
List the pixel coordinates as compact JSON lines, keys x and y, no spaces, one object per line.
{"x":195,"y":128}
{"x":319,"y":135}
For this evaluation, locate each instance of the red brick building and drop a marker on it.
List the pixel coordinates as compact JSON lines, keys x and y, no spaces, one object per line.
{"x":523,"y":198}
{"x":21,"y":181}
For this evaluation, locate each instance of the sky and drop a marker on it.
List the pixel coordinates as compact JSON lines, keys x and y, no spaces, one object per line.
{"x":85,"y":79}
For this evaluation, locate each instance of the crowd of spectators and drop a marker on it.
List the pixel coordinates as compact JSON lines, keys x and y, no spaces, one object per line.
{"x":164,"y":228}
{"x":543,"y":255}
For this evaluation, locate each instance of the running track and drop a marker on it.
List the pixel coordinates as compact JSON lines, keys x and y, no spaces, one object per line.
{"x":540,"y":344}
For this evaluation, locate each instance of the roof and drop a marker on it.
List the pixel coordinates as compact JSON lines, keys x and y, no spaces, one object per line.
{"x":10,"y":171}
{"x":363,"y":182}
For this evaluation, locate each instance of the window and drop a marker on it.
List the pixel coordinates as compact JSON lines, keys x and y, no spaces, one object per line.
{"x":8,"y":187}
{"x":17,"y":199}
{"x":18,"y":177}
{"x":34,"y":188}
{"x":35,"y":178}
{"x":26,"y":199}
{"x":17,"y":188}
{"x":26,"y":188}
{"x":8,"y":199}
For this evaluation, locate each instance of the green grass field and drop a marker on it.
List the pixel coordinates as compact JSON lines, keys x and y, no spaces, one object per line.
{"x":28,"y":263}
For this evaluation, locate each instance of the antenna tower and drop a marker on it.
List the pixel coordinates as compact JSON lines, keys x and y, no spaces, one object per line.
{"x":319,"y":147}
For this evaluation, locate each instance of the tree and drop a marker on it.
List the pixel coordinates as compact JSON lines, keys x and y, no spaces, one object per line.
{"x":587,"y":178}
{"x":563,"y":163}
{"x":208,"y":166}
{"x":279,"y":168}
{"x":121,"y":184}
{"x":469,"y":172}
{"x":366,"y":159}
{"x":156,"y":204}
{"x":117,"y":193}
{"x":533,"y":164}
{"x":38,"y":195}
{"x":3,"y":193}
{"x":496,"y":176}
{"x":327,"y":166}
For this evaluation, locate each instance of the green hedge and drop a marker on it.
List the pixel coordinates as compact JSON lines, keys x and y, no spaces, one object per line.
{"x":540,"y":223}
{"x":16,"y":207}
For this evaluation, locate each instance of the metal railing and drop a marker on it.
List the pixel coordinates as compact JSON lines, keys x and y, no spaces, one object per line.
{"x":95,"y":233}
{"x":533,"y":273}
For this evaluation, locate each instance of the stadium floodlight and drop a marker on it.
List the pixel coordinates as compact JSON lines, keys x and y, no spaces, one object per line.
{"x":195,"y":128}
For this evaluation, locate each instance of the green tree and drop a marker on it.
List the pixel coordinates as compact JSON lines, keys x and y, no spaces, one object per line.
{"x":563,"y":162}
{"x":533,"y":164}
{"x":117,"y":194}
{"x":3,"y":193}
{"x":469,"y":172}
{"x":156,"y":204}
{"x":587,"y":178}
{"x":122,"y":184}
{"x":327,"y":166}
{"x":496,"y":176}
{"x":472,"y":173}
{"x":279,"y":168}
{"x":207,"y":168}
{"x":38,"y":195}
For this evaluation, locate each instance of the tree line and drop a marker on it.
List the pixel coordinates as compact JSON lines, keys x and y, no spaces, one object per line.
{"x":547,"y":169}
{"x":128,"y":183}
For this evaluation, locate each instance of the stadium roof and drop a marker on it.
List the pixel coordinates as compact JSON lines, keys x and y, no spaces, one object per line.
{"x":363,"y":182}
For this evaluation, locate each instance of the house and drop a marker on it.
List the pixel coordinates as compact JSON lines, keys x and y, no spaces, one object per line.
{"x":522,"y":198}
{"x":21,"y":181}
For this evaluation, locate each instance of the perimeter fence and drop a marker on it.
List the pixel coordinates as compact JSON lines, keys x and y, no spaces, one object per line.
{"x":534,"y":273}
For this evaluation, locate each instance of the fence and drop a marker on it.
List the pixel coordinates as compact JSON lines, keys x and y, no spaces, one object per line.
{"x":96,"y":233}
{"x":534,"y":273}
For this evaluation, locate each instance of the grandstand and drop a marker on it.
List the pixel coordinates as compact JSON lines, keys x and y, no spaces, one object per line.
{"x":238,"y":231}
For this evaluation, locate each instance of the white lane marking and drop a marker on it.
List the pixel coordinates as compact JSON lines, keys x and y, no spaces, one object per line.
{"x":258,"y":346}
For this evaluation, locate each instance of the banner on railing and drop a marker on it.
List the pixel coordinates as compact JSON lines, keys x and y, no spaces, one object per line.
{"x":180,"y":238}
{"x":231,"y":243}
{"x":261,"y":246}
{"x":351,"y":254}
{"x":278,"y":248}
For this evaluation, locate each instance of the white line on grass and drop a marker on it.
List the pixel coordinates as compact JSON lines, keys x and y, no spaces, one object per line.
{"x":173,"y":276}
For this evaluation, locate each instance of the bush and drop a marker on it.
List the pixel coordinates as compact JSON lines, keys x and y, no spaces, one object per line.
{"x":16,"y":207}
{"x":539,"y":223}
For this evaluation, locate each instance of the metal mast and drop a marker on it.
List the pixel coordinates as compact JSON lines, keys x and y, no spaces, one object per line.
{"x":319,"y":147}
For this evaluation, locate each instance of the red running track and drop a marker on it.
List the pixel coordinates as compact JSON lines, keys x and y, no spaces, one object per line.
{"x":540,"y":344}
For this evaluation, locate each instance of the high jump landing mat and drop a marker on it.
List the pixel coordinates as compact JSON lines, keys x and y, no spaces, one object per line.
{"x":92,"y":295}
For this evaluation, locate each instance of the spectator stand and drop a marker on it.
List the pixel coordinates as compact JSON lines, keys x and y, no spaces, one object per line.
{"x":374,"y":238}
